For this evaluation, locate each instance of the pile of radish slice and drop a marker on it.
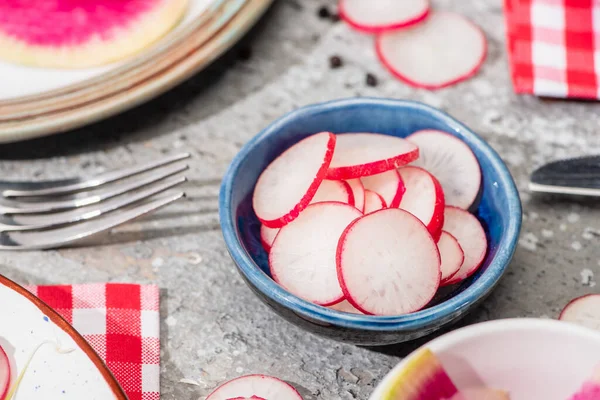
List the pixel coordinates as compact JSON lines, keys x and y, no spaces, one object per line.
{"x":370,"y":223}
{"x":423,"y":47}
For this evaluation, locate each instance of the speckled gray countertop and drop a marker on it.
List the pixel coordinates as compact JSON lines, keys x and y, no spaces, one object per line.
{"x":212,"y":326}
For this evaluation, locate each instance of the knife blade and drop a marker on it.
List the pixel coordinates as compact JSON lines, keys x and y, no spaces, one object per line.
{"x":575,"y":176}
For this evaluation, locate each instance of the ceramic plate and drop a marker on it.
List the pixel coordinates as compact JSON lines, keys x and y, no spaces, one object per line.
{"x":75,"y":372}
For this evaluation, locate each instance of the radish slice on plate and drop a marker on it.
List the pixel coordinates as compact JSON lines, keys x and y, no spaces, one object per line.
{"x":358,"y":193}
{"x":470,"y":235}
{"x":4,"y":373}
{"x":452,"y":162}
{"x":255,"y":387}
{"x":382,"y":15}
{"x":424,"y":198}
{"x":290,"y":182}
{"x":388,"y":185}
{"x":387,"y":263}
{"x":362,"y":154}
{"x":452,"y":255}
{"x":373,"y":202}
{"x":584,"y":311}
{"x":346,"y":307}
{"x":267,"y":236}
{"x":303,"y":257}
{"x":444,"y":49}
{"x":334,"y":191}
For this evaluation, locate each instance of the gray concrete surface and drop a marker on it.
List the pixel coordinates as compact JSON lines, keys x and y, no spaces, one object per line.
{"x":213,"y":327}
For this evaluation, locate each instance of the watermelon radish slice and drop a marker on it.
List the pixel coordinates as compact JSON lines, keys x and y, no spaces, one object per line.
{"x":303,"y":256}
{"x":345,"y":306}
{"x":388,"y":263}
{"x":363,"y":154}
{"x":267,"y":236}
{"x":290,"y":182}
{"x":382,"y":15}
{"x":471,"y":237}
{"x":82,"y":33}
{"x":424,"y":198}
{"x":4,"y":374}
{"x":481,"y":394}
{"x":423,"y":378}
{"x":444,"y":49}
{"x":452,"y":256}
{"x":255,"y":387}
{"x":388,"y":185}
{"x":590,"y":389}
{"x":584,"y":310}
{"x":452,"y":162}
{"x":334,"y":191}
{"x":358,"y":193}
{"x":373,"y":202}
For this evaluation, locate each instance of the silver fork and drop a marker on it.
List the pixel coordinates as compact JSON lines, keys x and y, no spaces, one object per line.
{"x":50,"y":214}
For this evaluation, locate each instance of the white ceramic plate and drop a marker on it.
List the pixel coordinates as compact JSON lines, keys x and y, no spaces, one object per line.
{"x":25,"y":322}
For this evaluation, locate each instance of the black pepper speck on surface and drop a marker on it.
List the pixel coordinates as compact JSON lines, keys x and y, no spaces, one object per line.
{"x":335,"y":62}
{"x":371,"y":80}
{"x":324,"y":12}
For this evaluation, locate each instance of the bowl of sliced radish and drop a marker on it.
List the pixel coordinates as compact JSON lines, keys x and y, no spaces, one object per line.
{"x":370,"y":221}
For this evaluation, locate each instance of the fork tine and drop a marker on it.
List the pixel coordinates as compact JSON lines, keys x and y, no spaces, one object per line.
{"x":70,"y":234}
{"x":119,"y":189}
{"x":45,"y":221}
{"x":95,"y":181}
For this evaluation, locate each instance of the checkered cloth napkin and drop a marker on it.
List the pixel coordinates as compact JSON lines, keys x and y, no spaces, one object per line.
{"x":554,"y":47}
{"x":121,"y":322}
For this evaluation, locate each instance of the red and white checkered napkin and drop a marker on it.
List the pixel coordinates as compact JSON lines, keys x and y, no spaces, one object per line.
{"x":554,"y":47}
{"x":121,"y":322}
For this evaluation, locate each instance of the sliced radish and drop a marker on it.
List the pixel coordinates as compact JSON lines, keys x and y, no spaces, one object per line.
{"x":253,"y":387}
{"x":290,"y":182}
{"x":267,"y":236}
{"x":382,"y":15}
{"x":4,"y":373}
{"x":584,"y":311}
{"x":303,"y":256}
{"x":444,"y":49}
{"x":334,"y":191}
{"x":424,"y":198}
{"x":452,"y":162}
{"x":373,"y":202}
{"x":470,"y":235}
{"x":388,"y":185}
{"x":452,"y":256}
{"x":358,"y":193}
{"x":345,"y":306}
{"x":362,"y":154}
{"x":388,"y":263}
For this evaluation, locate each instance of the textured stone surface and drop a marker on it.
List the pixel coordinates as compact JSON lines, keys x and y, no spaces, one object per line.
{"x":213,"y":327}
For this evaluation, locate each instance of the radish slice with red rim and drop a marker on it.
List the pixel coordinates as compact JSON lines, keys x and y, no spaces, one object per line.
{"x":382,"y":15}
{"x":388,"y":185}
{"x":388,"y":263}
{"x":267,"y":236}
{"x":253,"y":387}
{"x":444,"y":49}
{"x":452,"y":162}
{"x":363,"y":154}
{"x":334,"y":191}
{"x":290,"y":182}
{"x":4,"y":374}
{"x":452,"y":255}
{"x":424,"y":198}
{"x":584,"y":310}
{"x":358,"y":193}
{"x":373,"y":202}
{"x":470,"y":235}
{"x":345,"y":306}
{"x":303,"y":257}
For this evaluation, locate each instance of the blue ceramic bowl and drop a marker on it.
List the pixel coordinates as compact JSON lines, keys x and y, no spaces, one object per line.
{"x":499,"y":211}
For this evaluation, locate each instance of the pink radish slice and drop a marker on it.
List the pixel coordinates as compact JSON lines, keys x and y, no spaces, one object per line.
{"x":452,"y":255}
{"x":290,"y":182}
{"x":444,"y":49}
{"x":388,"y":185}
{"x":452,"y":162}
{"x":334,"y":191}
{"x":584,"y":311}
{"x":373,"y":202}
{"x":248,"y":398}
{"x":471,"y":237}
{"x":481,"y":394}
{"x":302,"y":258}
{"x":382,"y":15}
{"x":267,"y":236}
{"x":255,"y":386}
{"x":387,"y":263}
{"x":424,"y":198}
{"x":345,"y":306}
{"x":358,"y":193}
{"x":362,"y":154}
{"x":4,"y":374}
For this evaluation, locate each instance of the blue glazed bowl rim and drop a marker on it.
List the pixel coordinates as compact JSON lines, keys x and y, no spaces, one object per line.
{"x":410,"y":322}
